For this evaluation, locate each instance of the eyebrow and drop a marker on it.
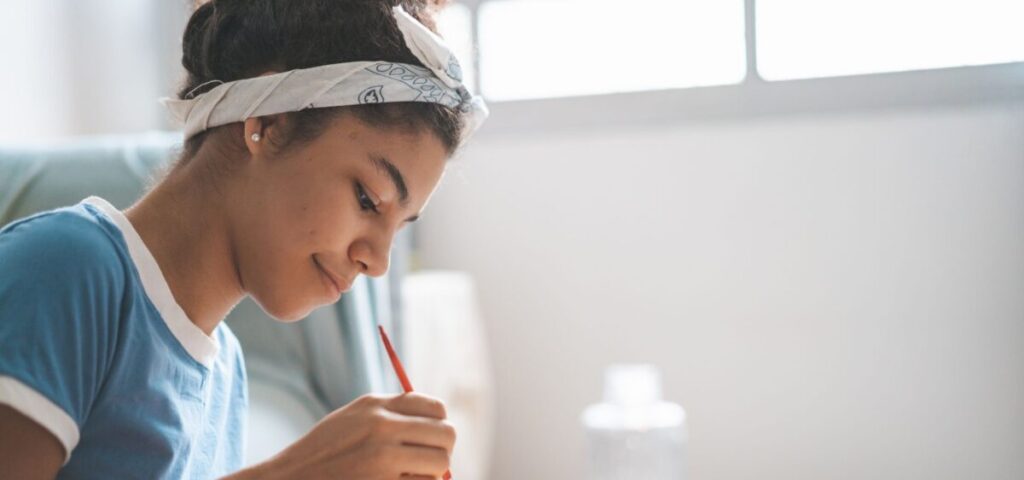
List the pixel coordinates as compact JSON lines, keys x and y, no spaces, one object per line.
{"x":384,"y":165}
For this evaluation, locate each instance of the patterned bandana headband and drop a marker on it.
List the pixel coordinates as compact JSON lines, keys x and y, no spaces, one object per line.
{"x":341,"y":84}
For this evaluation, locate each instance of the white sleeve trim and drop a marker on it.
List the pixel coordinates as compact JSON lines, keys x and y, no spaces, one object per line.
{"x":41,"y":410}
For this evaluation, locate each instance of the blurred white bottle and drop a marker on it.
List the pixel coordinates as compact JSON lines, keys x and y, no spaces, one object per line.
{"x":633,"y":434}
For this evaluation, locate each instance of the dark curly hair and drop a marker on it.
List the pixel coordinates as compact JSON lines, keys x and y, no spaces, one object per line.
{"x":228,"y":40}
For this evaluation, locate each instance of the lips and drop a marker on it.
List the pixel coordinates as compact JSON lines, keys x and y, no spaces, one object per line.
{"x":338,"y":284}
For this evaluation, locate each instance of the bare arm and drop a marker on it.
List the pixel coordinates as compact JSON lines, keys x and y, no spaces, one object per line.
{"x":27,"y":450}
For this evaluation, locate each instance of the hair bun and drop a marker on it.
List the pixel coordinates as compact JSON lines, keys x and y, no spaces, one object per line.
{"x":193,"y":42}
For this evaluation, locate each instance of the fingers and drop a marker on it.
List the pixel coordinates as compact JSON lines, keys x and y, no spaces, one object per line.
{"x":426,"y":432}
{"x":416,"y":439}
{"x":417,"y":405}
{"x":427,"y":462}
{"x":413,"y":419}
{"x":375,"y":436}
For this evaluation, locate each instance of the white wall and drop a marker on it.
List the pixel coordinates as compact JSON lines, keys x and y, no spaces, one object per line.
{"x":35,"y":70}
{"x":829,"y":296}
{"x":74,"y":67}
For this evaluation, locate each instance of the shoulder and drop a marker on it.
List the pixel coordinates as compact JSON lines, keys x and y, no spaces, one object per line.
{"x":62,"y":248}
{"x":61,"y":308}
{"x":67,"y":238}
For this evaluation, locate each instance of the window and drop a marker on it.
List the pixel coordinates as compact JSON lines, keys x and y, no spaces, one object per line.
{"x":455,"y":23}
{"x":550,"y":48}
{"x":823,"y":38}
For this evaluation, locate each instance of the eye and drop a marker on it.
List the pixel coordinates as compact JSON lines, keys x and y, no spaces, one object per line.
{"x":365,"y":202}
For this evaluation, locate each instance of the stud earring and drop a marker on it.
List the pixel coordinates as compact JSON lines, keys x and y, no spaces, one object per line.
{"x":255,"y":137}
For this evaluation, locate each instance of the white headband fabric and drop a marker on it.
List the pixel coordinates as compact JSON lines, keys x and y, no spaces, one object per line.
{"x":341,"y":84}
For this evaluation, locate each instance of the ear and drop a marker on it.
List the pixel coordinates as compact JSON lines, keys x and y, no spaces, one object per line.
{"x":258,"y":131}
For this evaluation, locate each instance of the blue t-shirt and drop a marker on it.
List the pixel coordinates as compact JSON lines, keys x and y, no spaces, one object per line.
{"x":94,"y":348}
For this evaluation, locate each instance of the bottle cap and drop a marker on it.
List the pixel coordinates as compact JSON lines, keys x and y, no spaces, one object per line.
{"x":632,"y":384}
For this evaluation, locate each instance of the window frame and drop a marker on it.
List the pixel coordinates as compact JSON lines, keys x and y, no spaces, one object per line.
{"x":753,"y":96}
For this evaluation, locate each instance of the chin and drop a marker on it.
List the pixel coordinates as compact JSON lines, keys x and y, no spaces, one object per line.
{"x":284,"y":311}
{"x":291,"y":317}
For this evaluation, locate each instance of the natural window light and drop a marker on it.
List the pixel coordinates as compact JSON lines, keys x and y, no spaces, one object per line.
{"x":552,"y":48}
{"x":455,"y":23}
{"x":823,"y":38}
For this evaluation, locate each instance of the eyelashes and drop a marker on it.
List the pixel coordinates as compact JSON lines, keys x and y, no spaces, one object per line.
{"x":365,"y":202}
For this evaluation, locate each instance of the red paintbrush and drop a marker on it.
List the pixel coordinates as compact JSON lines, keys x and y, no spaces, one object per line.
{"x":400,"y":371}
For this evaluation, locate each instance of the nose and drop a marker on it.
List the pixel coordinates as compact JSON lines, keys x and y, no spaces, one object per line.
{"x":373,"y":255}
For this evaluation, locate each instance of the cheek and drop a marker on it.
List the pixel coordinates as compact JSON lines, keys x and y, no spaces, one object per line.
{"x":286,"y":284}
{"x":281,"y":276}
{"x":310,"y":219}
{"x":291,"y":223}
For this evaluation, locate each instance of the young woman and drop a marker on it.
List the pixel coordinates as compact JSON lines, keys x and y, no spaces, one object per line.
{"x":315,"y":130}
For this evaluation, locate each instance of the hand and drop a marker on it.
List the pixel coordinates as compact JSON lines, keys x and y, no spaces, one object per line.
{"x":373,"y":438}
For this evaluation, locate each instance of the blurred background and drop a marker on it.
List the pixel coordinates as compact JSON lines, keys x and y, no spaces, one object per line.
{"x":809,"y":214}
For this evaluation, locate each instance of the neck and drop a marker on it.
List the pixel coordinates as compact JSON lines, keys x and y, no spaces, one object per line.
{"x":185,"y":227}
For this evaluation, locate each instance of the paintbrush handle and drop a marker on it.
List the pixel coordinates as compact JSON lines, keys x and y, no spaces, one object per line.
{"x":400,"y":371}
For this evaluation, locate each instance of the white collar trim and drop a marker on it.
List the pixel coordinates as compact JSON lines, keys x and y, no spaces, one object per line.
{"x":197,"y":343}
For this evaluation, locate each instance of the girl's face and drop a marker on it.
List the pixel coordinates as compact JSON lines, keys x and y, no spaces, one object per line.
{"x":307,"y":221}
